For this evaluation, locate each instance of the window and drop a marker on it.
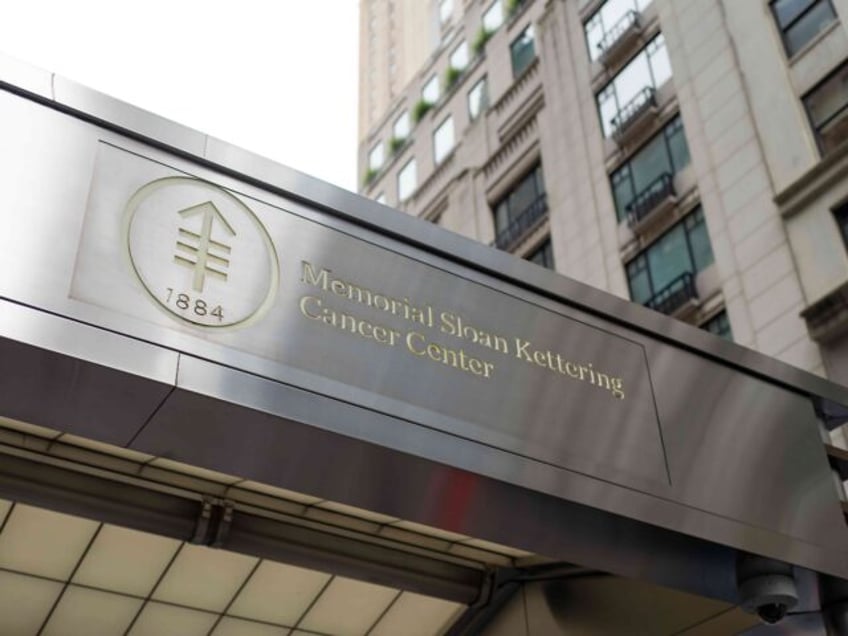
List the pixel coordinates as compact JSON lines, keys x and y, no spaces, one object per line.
{"x":665,"y":154}
{"x":841,"y":214}
{"x":800,"y":21}
{"x":649,"y":69}
{"x":719,"y":325}
{"x":430,"y":92}
{"x":400,"y":130}
{"x":443,"y":140}
{"x":542,"y":255}
{"x":381,"y":198}
{"x":684,"y":249}
{"x":522,"y":51}
{"x":445,"y":10}
{"x":407,"y":180}
{"x":376,"y":156}
{"x":493,"y":17}
{"x":478,"y":98}
{"x":459,"y":57}
{"x":606,"y":21}
{"x":520,"y":210}
{"x":827,"y":107}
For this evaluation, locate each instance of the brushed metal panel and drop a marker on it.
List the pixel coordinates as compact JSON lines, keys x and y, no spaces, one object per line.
{"x":20,"y":75}
{"x":100,"y":106}
{"x":48,"y":161}
{"x":743,"y":448}
{"x":49,"y":377}
{"x":487,"y":365}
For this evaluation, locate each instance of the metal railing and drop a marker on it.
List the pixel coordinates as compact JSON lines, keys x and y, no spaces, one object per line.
{"x":631,"y":111}
{"x":649,"y":198}
{"x":528,"y":220}
{"x":674,"y":295}
{"x":628,"y":21}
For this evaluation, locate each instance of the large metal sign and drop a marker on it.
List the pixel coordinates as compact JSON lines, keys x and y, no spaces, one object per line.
{"x":178,"y":296}
{"x":183,"y":253}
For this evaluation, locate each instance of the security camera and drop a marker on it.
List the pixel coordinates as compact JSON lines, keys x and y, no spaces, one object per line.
{"x":766,"y":587}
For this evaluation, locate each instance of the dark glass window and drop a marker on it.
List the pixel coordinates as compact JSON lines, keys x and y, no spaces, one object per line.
{"x":684,"y":248}
{"x":666,"y":153}
{"x":523,"y":51}
{"x":827,"y":107}
{"x":520,"y":210}
{"x":841,"y":214}
{"x":542,"y":255}
{"x":719,"y":325}
{"x":801,"y":20}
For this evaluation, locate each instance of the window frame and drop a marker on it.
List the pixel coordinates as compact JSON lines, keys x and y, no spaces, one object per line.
{"x":717,"y":318}
{"x":842,"y":110}
{"x":486,"y":13}
{"x":404,"y":115}
{"x":532,"y":44}
{"x":400,"y":174}
{"x":462,"y":45}
{"x":784,"y":29}
{"x":534,"y":174}
{"x":666,"y":133}
{"x":546,"y":248}
{"x":484,"y":101}
{"x":437,"y":157}
{"x":641,"y":259}
{"x":610,"y":85}
{"x":638,"y":6}
{"x":371,"y":164}
{"x":433,"y":81}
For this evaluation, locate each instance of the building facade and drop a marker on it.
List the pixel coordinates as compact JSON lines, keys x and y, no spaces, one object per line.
{"x":395,"y":39}
{"x":689,"y":155}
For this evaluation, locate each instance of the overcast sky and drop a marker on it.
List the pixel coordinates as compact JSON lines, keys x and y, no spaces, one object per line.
{"x":278,"y":77}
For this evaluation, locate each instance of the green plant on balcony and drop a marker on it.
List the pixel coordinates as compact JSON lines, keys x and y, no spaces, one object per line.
{"x":395,"y":144}
{"x":512,"y":6}
{"x":483,"y":35}
{"x":420,"y":109}
{"x":370,"y":175}
{"x":451,"y":76}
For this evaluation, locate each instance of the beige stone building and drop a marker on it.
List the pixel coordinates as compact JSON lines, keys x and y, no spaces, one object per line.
{"x":396,"y":37}
{"x":691,"y":155}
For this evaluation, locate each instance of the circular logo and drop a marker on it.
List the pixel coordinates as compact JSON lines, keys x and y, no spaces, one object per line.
{"x":200,"y":253}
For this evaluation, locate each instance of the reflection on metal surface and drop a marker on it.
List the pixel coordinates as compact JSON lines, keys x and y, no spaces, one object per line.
{"x":475,"y":361}
{"x":178,"y":223}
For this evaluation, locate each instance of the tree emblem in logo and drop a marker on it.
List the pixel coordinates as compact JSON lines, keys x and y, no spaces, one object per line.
{"x":200,"y":252}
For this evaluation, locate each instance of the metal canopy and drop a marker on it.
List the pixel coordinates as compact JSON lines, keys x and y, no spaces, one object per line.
{"x":378,"y":361}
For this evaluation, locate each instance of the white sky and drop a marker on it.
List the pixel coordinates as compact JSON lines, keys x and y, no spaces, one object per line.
{"x":277,"y":77}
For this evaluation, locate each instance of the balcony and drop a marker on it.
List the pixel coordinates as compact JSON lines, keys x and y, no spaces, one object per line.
{"x":618,"y":41}
{"x":519,"y":229}
{"x":635,"y":117}
{"x":651,"y":203}
{"x":678,"y":299}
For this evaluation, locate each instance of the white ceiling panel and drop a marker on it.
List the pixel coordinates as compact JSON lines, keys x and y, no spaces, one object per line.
{"x":25,"y":602}
{"x":204,"y":578}
{"x":278,"y":593}
{"x":348,"y":607}
{"x":42,"y":542}
{"x":230,"y":626}
{"x":159,"y":619}
{"x":417,"y":615}
{"x":126,"y":560}
{"x":85,"y":611}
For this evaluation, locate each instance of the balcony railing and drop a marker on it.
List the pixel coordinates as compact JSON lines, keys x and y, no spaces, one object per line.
{"x":672,"y":298}
{"x":523,"y":224}
{"x":614,"y":42}
{"x":651,"y":199}
{"x":636,"y":111}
